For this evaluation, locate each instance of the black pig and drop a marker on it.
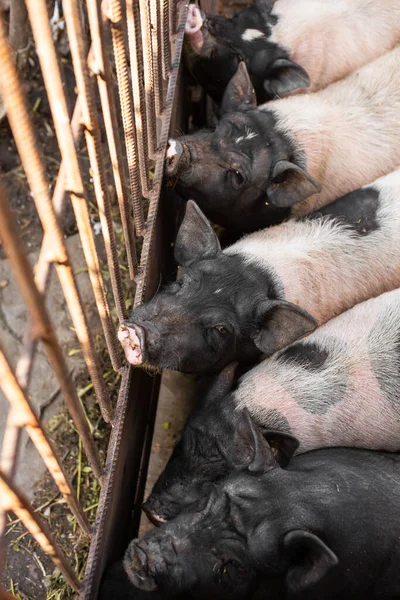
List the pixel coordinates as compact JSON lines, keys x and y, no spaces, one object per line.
{"x":216,"y":439}
{"x":327,"y":526}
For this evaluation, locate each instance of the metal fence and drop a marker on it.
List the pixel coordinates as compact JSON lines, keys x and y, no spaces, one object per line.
{"x":139,"y":42}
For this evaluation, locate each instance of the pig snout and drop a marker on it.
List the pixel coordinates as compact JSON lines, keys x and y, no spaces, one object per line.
{"x":174,"y":157}
{"x":132,"y":340}
{"x":152,"y":514}
{"x":194,"y":23}
{"x":137,"y":566}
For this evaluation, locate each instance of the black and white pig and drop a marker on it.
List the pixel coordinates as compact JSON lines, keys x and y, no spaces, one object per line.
{"x":289,"y":45}
{"x":338,"y":387}
{"x":326,"y":527}
{"x":271,"y":287}
{"x":291,"y":156}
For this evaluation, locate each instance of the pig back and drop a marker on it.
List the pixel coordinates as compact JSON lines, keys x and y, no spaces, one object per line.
{"x":338,"y":387}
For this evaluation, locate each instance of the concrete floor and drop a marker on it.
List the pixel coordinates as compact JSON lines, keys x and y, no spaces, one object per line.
{"x":44,"y":387}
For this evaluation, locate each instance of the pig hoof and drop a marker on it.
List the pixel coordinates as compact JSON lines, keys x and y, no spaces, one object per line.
{"x":131,"y":344}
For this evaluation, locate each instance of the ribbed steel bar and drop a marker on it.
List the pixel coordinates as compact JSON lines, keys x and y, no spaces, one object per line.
{"x":156,"y":54}
{"x":76,"y":36}
{"x":148,"y":75}
{"x":12,"y":499}
{"x":53,"y":249}
{"x":42,"y":327}
{"x":100,"y":65}
{"x":6,"y":595}
{"x":139,"y":103}
{"x":165,"y":37}
{"x":159,"y":168}
{"x":9,"y":449}
{"x":172,"y":17}
{"x":26,"y":417}
{"x":115,"y":16}
{"x":73,"y":178}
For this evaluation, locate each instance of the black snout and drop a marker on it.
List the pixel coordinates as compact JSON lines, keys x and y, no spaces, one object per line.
{"x":156,"y":519}
{"x":174,"y":157}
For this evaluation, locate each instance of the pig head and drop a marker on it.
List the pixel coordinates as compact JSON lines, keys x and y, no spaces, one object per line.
{"x":317,"y":529}
{"x":246,"y":174}
{"x":215,"y":45}
{"x":216,"y":440}
{"x":221,"y":310}
{"x":235,"y":541}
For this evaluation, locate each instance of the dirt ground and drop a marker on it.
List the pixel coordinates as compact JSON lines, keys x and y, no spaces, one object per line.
{"x":30,"y":574}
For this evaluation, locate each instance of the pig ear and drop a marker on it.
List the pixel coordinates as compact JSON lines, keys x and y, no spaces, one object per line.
{"x":282,"y":324}
{"x":239,"y":94}
{"x":285,"y":76}
{"x":290,"y":184}
{"x":255,"y":453}
{"x":309,"y":559}
{"x":223,"y":382}
{"x":196,"y":239}
{"x":283,"y":445}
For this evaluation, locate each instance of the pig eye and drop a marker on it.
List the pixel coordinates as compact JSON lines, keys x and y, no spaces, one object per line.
{"x":221,"y":329}
{"x":236,"y":179}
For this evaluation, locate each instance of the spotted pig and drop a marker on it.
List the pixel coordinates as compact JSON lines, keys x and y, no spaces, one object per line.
{"x":289,"y":157}
{"x":338,"y":387}
{"x":271,"y":287}
{"x":289,"y":45}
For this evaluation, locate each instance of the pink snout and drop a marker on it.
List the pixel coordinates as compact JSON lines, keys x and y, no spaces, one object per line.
{"x":131,"y":344}
{"x":193,"y":27}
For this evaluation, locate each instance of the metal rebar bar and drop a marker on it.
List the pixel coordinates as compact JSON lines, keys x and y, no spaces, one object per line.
{"x":25,"y":414}
{"x":172,"y":17}
{"x":12,"y":499}
{"x":156,"y":55}
{"x":76,"y":36}
{"x":139,"y":102}
{"x":11,"y":439}
{"x":100,"y":65}
{"x":159,"y":168}
{"x":114,"y":14}
{"x":6,"y":595}
{"x":53,"y":248}
{"x":145,"y":23}
{"x":73,"y":176}
{"x":165,"y":38}
{"x":42,"y":326}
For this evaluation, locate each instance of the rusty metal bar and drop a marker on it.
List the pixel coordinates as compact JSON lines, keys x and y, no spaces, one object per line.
{"x":100,"y":65}
{"x":22,"y":409}
{"x":73,"y":177}
{"x":159,"y":168}
{"x":139,"y":103}
{"x":42,"y":327}
{"x":172,"y":17}
{"x":148,"y":75}
{"x":43,"y":266}
{"x":76,"y":36}
{"x":5,"y":595}
{"x":114,"y":14}
{"x":156,"y":54}
{"x":12,"y":436}
{"x":53,"y":248}
{"x":13,"y":499}
{"x":165,"y":38}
